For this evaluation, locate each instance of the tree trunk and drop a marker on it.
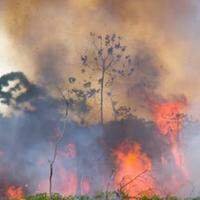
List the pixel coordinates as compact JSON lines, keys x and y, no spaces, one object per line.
{"x":102,"y":96}
{"x":50,"y":180}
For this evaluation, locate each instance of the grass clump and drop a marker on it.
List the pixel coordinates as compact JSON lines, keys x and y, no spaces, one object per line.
{"x":56,"y":196}
{"x":103,"y":196}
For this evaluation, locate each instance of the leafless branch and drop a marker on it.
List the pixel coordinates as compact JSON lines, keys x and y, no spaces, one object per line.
{"x":59,"y":139}
{"x":132,"y":180}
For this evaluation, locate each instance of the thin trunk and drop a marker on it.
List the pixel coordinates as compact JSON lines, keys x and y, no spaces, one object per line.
{"x":50,"y":180}
{"x":102,"y":95}
{"x":51,"y":165}
{"x":52,"y":162}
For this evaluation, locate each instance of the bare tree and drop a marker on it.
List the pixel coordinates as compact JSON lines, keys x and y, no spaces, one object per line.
{"x":75,"y":100}
{"x":121,"y":192}
{"x":51,"y":165}
{"x":108,"y":57}
{"x":57,"y":142}
{"x":122,"y":186}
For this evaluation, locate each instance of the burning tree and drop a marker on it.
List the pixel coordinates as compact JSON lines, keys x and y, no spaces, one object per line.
{"x":108,"y":57}
{"x":169,"y":118}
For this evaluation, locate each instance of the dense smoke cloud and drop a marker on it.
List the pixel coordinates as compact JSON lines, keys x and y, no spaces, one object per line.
{"x":43,"y":41}
{"x":163,"y":27}
{"x":31,"y":135}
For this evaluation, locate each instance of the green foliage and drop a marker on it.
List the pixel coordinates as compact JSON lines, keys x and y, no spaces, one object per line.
{"x":155,"y":197}
{"x":98,"y":196}
{"x":38,"y":197}
{"x":172,"y":198}
{"x":103,"y":196}
{"x":56,"y":196}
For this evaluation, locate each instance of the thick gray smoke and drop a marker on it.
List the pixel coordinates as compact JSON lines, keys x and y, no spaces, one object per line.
{"x":44,"y":40}
{"x":27,"y":139}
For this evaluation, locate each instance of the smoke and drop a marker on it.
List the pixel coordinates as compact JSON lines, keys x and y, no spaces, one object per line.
{"x":50,"y":61}
{"x":44,"y":40}
{"x":84,"y":153}
{"x":159,"y":26}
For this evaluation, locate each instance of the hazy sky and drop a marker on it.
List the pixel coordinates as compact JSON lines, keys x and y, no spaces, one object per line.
{"x":168,"y":29}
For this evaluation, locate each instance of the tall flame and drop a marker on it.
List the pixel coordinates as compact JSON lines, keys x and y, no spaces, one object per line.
{"x":169,"y":120}
{"x":132,"y":168}
{"x":168,"y":117}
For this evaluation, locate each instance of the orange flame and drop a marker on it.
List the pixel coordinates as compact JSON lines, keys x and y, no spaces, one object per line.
{"x":168,"y":117}
{"x":68,"y":182}
{"x":65,"y":184}
{"x":132,"y":168}
{"x":15,"y":193}
{"x":65,"y":179}
{"x":169,"y":120}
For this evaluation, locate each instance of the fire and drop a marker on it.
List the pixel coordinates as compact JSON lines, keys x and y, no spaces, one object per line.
{"x":65,"y":179}
{"x":15,"y":193}
{"x":85,"y":185}
{"x":132,"y":169}
{"x":169,"y":120}
{"x":168,"y":117}
{"x":68,"y":182}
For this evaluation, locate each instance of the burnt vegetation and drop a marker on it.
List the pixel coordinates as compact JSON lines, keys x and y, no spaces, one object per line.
{"x":107,"y":61}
